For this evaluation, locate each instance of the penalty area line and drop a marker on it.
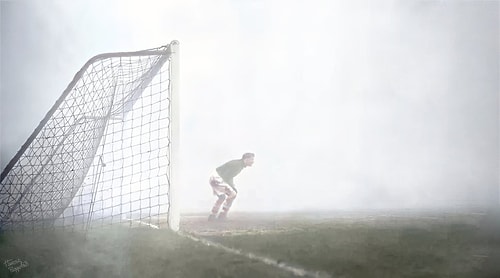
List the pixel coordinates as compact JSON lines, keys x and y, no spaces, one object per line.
{"x":295,"y":270}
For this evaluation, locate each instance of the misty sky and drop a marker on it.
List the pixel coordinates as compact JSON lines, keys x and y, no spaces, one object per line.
{"x":347,"y":104}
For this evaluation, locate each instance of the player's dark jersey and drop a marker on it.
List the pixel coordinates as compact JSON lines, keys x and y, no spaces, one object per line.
{"x":230,"y":169}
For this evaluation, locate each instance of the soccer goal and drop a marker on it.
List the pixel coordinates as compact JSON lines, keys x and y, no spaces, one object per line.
{"x":106,"y":151}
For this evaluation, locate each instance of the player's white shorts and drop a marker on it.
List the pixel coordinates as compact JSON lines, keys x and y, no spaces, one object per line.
{"x":219,"y":186}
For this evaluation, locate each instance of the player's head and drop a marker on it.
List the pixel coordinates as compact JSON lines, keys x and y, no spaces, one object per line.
{"x":248,"y":158}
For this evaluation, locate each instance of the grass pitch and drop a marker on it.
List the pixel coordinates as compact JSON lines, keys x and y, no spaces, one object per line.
{"x":122,"y":252}
{"x":336,"y":244}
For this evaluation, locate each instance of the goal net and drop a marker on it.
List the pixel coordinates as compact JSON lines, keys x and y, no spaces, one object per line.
{"x":104,"y":153}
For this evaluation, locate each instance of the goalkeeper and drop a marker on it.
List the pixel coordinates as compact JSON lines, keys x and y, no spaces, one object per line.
{"x":223,"y":186}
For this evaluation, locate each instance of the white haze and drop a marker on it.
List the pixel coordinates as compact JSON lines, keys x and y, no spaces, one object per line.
{"x":347,"y":104}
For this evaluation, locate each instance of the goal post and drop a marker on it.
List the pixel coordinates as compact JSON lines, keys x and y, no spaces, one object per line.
{"x":106,"y":152}
{"x":174,"y":211}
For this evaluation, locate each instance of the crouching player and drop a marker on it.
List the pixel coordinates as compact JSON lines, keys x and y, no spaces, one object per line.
{"x":223,"y":186}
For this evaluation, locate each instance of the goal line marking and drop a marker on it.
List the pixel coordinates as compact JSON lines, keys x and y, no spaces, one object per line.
{"x":272,"y":262}
{"x":295,"y":270}
{"x":142,"y":223}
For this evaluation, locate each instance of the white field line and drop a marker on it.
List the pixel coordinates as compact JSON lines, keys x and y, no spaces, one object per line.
{"x":295,"y":270}
{"x":143,"y":223}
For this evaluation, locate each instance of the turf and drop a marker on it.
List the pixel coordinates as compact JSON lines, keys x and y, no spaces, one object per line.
{"x":121,"y":252}
{"x":384,"y":247}
{"x":338,"y":245}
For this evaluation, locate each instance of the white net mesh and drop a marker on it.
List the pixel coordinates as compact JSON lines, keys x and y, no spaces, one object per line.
{"x":102,"y":153}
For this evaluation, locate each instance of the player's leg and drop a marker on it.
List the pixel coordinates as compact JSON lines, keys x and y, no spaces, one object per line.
{"x":231,"y":195}
{"x":216,"y":207}
{"x":219,"y":190}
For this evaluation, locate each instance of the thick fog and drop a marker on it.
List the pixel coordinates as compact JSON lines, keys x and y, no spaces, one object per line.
{"x":346,"y":104}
